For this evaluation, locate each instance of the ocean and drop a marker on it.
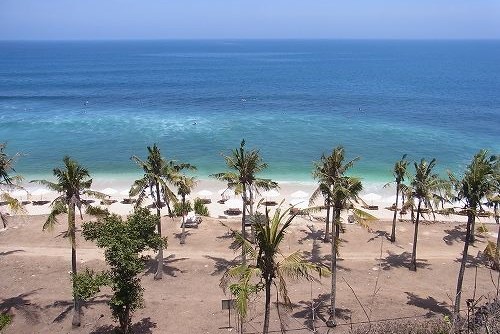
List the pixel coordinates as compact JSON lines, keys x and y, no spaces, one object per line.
{"x":103,"y":101}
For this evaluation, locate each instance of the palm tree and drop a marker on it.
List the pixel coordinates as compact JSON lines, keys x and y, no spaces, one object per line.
{"x":399,"y":177}
{"x":341,"y":192}
{"x":8,"y":181}
{"x":265,"y":265}
{"x":73,"y":181}
{"x":184,"y":186}
{"x":320,"y":172}
{"x":158,"y":175}
{"x":244,"y":166}
{"x":480,"y":179}
{"x":425,"y":186}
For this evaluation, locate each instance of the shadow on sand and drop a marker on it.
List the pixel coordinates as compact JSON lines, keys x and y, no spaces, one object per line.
{"x":402,"y":260}
{"x":168,"y":269}
{"x":432,"y":305}
{"x":144,"y":326}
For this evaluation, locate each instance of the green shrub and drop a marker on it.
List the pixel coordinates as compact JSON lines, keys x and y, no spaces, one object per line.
{"x":179,"y":210}
{"x":5,"y":319}
{"x":200,"y":208}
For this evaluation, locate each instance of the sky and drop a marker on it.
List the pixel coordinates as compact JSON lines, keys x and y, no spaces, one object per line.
{"x":233,"y":19}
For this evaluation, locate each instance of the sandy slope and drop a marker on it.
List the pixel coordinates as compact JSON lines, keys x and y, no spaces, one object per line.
{"x":35,"y":286}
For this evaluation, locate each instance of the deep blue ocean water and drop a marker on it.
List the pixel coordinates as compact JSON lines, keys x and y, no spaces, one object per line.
{"x":102,"y":102}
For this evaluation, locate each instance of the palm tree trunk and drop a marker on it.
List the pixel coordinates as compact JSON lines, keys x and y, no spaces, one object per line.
{"x":184,"y":213}
{"x":497,"y":251}
{"x":159,"y":269}
{"x":327,"y":226}
{"x":333,"y":268}
{"x":72,"y":234}
{"x":267,"y":310}
{"x":393,"y":233}
{"x":413,"y":264}
{"x":456,"y":309}
{"x":243,"y":218}
{"x":472,"y":237}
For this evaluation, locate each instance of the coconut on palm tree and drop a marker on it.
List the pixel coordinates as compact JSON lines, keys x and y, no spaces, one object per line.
{"x":244,"y":166}
{"x":481,"y":179}
{"x":9,"y":182}
{"x":159,"y":175}
{"x":425,"y":187}
{"x":267,"y":265}
{"x":73,"y":181}
{"x":399,"y":173}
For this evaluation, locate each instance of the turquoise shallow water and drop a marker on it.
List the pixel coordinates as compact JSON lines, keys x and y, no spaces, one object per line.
{"x":102,"y":102}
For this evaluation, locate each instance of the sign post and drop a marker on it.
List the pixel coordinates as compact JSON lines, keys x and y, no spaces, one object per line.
{"x":228,"y":304}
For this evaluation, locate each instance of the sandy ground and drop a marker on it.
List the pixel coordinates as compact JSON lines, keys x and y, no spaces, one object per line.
{"x":35,"y":285}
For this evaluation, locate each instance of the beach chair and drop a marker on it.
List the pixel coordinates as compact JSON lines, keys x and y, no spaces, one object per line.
{"x":192,"y":220}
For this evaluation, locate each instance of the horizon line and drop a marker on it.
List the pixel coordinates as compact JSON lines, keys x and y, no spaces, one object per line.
{"x":250,"y":39}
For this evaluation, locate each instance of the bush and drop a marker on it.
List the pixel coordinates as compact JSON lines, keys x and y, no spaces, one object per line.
{"x":200,"y":208}
{"x":179,"y":210}
{"x":5,"y":319}
{"x":436,"y":326}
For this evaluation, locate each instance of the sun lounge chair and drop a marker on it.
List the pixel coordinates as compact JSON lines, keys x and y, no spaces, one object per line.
{"x":370,"y":207}
{"x":192,"y":220}
{"x":233,"y":212}
{"x":129,"y":200}
{"x":40,"y":202}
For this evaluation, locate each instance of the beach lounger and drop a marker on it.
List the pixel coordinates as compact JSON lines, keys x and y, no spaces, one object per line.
{"x":370,"y":207}
{"x":233,"y":212}
{"x":192,"y":220}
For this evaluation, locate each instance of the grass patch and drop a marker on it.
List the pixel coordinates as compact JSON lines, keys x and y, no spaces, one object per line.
{"x":5,"y":319}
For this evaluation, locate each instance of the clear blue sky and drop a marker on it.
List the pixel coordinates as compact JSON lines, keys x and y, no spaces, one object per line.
{"x":192,"y":19}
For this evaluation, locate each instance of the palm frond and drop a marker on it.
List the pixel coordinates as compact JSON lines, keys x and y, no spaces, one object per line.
{"x":58,"y":207}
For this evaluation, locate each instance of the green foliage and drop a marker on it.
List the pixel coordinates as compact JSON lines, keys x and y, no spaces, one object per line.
{"x":180,"y":209}
{"x":482,"y":229}
{"x":5,"y":319}
{"x":124,"y":242}
{"x":88,"y":284}
{"x":267,"y":264}
{"x":200,"y":208}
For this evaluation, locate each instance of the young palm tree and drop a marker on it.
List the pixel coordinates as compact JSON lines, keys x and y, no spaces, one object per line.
{"x":480,"y":179}
{"x":158,"y":175}
{"x":8,"y":182}
{"x":73,"y":181}
{"x":244,"y":166}
{"x":265,"y":266}
{"x":320,"y":172}
{"x":399,"y":177}
{"x":342,"y":192}
{"x":425,"y":186}
{"x":185,"y":185}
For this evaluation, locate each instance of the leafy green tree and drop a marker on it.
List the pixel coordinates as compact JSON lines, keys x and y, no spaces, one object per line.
{"x":244,"y":166}
{"x":124,"y":242}
{"x":425,"y":188}
{"x":185,"y":185}
{"x":265,"y":267}
{"x":399,"y":173}
{"x":343,"y":191}
{"x":73,"y":181}
{"x":480,"y":179}
{"x":9,"y":182}
{"x":159,"y":175}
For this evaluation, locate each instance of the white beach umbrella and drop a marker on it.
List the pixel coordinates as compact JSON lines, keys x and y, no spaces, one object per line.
{"x":271,"y":193}
{"x":204,"y":193}
{"x":125,"y":192}
{"x":234,"y":203}
{"x":19,"y":193}
{"x":371,"y":197}
{"x":299,"y":194}
{"x":299,"y":203}
{"x":109,"y":191}
{"x":40,"y":192}
{"x":226,"y":193}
